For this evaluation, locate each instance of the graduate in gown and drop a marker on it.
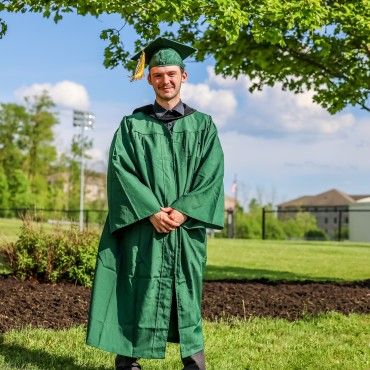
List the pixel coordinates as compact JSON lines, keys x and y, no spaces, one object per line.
{"x":165,"y":187}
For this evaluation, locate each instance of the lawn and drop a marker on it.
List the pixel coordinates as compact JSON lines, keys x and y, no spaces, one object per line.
{"x":330,"y":341}
{"x":287,"y":260}
{"x":9,"y":228}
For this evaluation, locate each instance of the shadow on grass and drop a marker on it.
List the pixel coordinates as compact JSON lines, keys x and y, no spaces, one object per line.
{"x":241,"y":273}
{"x":20,"y":357}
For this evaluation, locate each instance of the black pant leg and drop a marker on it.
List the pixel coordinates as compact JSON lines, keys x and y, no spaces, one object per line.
{"x":173,"y":331}
{"x":194,"y":362}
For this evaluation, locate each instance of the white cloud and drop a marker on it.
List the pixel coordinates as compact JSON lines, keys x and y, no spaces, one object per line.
{"x":226,"y":82}
{"x":274,"y":112}
{"x":237,"y":85}
{"x":67,"y":94}
{"x":220,"y":103}
{"x":292,"y":114}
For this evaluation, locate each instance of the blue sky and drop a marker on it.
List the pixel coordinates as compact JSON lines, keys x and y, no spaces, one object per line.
{"x":279,"y":145}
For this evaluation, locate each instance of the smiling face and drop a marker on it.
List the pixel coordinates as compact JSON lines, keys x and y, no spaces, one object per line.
{"x":166,"y":82}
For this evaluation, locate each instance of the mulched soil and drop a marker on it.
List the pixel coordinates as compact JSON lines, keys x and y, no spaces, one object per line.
{"x":286,"y":300}
{"x":65,"y":305}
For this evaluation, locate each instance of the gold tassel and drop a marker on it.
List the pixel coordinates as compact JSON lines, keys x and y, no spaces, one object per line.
{"x":140,"y":67}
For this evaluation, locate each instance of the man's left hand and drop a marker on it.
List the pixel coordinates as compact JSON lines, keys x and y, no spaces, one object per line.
{"x":175,"y":215}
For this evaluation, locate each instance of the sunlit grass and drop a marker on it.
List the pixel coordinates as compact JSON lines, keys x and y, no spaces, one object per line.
{"x":9,"y":229}
{"x":287,"y":260}
{"x":331,"y":341}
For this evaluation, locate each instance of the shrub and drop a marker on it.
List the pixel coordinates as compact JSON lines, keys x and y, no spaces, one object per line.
{"x":315,"y":234}
{"x":297,"y":226}
{"x":53,"y":255}
{"x":274,"y":228}
{"x":343,"y":235}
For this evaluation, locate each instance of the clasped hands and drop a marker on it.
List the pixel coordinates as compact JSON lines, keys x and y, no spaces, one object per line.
{"x":167,"y":219}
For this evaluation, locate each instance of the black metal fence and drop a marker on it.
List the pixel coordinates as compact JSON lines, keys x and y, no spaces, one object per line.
{"x":70,"y":216}
{"x":333,"y":221}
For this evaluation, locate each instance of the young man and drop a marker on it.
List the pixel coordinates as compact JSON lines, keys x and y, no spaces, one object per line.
{"x":165,"y":187}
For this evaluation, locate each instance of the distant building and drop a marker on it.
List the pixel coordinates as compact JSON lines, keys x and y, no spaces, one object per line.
{"x":325,"y":207}
{"x":359,"y":221}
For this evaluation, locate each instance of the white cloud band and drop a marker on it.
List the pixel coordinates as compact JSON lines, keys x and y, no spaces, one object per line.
{"x":67,"y":94}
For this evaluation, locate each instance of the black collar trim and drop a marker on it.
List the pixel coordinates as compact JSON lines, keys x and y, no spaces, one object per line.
{"x":149,"y":110}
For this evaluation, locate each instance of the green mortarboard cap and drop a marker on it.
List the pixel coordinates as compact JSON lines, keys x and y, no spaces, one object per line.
{"x":164,"y":52}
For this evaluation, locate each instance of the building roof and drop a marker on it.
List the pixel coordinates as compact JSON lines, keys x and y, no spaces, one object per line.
{"x":357,"y":197}
{"x":363,"y":200}
{"x":329,"y":198}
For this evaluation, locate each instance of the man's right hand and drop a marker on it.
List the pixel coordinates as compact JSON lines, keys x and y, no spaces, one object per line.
{"x":162,"y":222}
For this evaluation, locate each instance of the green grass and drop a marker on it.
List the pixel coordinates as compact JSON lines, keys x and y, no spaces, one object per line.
{"x":287,"y":260}
{"x":9,"y":228}
{"x":331,"y":341}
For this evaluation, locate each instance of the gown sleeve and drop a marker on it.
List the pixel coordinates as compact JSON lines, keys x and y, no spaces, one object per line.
{"x":129,"y":199}
{"x":204,"y":203}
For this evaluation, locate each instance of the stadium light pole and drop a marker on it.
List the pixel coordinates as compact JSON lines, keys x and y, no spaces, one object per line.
{"x":84,"y":120}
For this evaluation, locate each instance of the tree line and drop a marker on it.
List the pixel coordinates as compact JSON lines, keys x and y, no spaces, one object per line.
{"x":32,"y":172}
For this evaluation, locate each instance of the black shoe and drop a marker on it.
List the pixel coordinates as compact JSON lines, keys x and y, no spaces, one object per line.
{"x":194,"y":362}
{"x":126,"y":363}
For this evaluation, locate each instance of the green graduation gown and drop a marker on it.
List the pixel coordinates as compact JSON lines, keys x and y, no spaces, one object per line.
{"x":138,"y":269}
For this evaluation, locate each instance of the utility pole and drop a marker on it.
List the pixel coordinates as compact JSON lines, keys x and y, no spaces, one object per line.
{"x":230,"y":222}
{"x":234,"y":190}
{"x":85,"y":120}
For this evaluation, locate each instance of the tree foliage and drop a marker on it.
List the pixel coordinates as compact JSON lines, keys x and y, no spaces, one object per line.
{"x":13,"y":118}
{"x":32,"y":174}
{"x":38,"y":135}
{"x":27,"y":151}
{"x":19,"y":189}
{"x":318,"y":45}
{"x":4,"y":190}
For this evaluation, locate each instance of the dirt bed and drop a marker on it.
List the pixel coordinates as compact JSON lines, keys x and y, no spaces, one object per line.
{"x":64,"y":305}
{"x":290,"y":301}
